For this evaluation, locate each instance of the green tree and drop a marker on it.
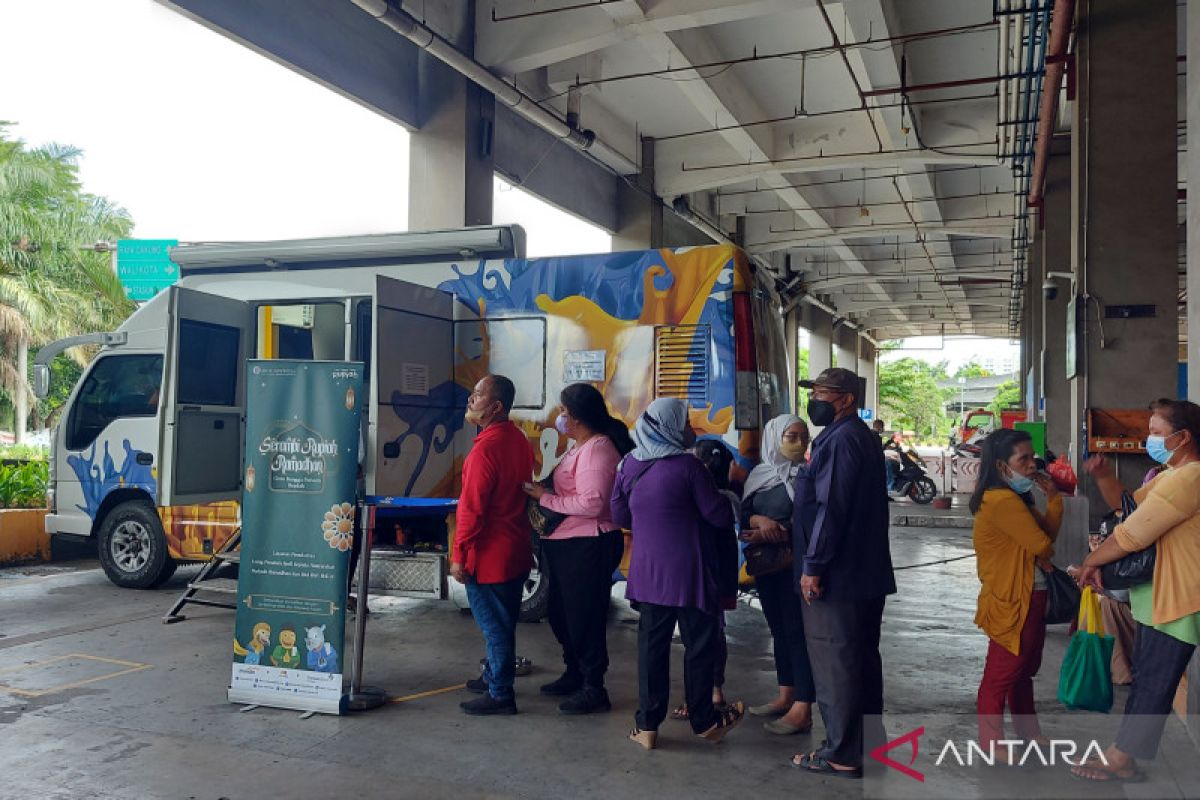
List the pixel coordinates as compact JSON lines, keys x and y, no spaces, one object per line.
{"x":1008,"y":394}
{"x":971,"y":369}
{"x":49,"y":286}
{"x":909,"y":397}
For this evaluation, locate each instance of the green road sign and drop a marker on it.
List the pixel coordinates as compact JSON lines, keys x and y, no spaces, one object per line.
{"x":144,"y":268}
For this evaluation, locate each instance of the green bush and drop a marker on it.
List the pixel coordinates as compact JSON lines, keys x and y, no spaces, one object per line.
{"x":24,"y":485}
{"x":23,"y":452}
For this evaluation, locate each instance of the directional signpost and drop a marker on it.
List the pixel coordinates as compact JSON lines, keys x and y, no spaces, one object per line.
{"x":144,"y":267}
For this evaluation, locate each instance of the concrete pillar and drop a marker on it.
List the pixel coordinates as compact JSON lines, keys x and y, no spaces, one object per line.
{"x":791,"y":343}
{"x":868,"y":367}
{"x":1193,"y":211}
{"x":820,"y":339}
{"x":1124,"y":228}
{"x":845,"y":347}
{"x":639,"y":213}
{"x":1031,"y":326}
{"x":1055,"y":244}
{"x":450,"y":155}
{"x":1193,"y":287}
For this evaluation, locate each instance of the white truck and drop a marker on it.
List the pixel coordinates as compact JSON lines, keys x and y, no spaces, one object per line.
{"x":147,"y":457}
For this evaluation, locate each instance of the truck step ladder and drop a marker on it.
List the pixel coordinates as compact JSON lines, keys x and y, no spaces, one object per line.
{"x":206,"y":590}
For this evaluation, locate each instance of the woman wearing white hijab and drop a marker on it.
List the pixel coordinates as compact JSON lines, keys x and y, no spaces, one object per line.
{"x":766,"y":520}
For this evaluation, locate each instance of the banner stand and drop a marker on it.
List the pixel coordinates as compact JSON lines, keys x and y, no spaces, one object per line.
{"x":363,"y":698}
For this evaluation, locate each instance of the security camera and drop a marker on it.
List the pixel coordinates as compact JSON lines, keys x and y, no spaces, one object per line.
{"x":1050,"y":288}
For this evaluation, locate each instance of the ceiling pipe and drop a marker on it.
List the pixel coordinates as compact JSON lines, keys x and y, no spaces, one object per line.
{"x":833,"y":312}
{"x":1056,"y":62}
{"x":584,"y":140}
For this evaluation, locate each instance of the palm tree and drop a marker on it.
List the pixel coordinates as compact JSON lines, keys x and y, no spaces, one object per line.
{"x":49,"y":286}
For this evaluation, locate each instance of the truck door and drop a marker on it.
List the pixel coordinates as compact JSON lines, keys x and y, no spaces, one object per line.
{"x":207,"y":347}
{"x":416,"y":405}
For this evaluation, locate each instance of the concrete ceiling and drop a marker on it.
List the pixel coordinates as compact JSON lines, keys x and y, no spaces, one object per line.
{"x":901,"y":218}
{"x":896,"y":209}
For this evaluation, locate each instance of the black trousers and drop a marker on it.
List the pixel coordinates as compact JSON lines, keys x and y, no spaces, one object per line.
{"x":1159,"y":661}
{"x":843,"y":647}
{"x":785,"y":617}
{"x":580,"y":582}
{"x":699,"y":632}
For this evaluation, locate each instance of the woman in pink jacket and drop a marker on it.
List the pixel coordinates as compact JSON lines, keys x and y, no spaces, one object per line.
{"x":582,"y":553}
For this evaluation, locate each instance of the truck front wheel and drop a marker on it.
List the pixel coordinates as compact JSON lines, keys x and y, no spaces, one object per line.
{"x":133,"y":549}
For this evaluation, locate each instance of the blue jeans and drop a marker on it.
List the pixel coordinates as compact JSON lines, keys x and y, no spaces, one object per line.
{"x":496,"y":607}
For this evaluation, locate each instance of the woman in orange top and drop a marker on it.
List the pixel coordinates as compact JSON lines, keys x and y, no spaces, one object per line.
{"x":1167,"y":608}
{"x":1013,"y":545}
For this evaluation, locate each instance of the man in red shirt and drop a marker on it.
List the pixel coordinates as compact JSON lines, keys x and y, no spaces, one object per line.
{"x":493,"y":549}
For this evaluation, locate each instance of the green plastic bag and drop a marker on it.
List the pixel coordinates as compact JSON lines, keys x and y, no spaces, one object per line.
{"x":1085,"y":681}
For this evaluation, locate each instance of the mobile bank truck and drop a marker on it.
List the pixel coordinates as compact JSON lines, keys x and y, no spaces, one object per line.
{"x":147,"y":458}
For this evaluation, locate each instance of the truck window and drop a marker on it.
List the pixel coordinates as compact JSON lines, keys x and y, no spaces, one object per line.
{"x":116,"y":387}
{"x":517,"y":349}
{"x":302,"y":331}
{"x":208,"y":363}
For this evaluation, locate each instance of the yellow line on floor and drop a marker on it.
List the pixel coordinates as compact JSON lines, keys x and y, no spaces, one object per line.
{"x":430,"y":693}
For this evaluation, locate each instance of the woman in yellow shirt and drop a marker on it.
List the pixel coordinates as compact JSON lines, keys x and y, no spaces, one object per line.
{"x":1167,"y":609}
{"x":1013,"y":545}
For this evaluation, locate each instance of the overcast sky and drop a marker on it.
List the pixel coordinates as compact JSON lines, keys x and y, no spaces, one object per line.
{"x":203,"y":139}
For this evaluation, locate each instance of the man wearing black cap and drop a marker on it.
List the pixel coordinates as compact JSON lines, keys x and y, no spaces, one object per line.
{"x":843,"y":567}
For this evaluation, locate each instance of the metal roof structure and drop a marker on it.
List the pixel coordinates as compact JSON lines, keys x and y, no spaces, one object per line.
{"x":875,"y":154}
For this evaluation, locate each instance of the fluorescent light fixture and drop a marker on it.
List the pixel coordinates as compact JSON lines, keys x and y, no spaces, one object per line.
{"x":500,"y":241}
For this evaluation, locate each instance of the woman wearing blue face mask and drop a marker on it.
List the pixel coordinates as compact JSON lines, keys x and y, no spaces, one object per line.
{"x":1013,"y":545}
{"x":1167,"y":608}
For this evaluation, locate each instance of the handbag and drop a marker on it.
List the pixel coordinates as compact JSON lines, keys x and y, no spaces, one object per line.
{"x":1085,"y":681}
{"x":766,"y":558}
{"x":1062,"y":597}
{"x":1133,"y":569}
{"x":543,"y":520}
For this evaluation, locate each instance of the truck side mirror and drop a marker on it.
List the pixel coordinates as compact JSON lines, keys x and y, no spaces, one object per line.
{"x":41,"y":381}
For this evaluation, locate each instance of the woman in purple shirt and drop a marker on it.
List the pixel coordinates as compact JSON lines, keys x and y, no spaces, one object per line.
{"x":663,"y":494}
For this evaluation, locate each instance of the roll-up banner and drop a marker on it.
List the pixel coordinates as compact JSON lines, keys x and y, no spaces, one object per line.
{"x":298,"y":506}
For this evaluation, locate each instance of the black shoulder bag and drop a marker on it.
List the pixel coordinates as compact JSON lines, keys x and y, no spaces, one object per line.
{"x":543,"y":520}
{"x":1135,"y":568}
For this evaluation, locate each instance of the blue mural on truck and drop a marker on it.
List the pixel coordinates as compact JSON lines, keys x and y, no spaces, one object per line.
{"x":97,"y":480}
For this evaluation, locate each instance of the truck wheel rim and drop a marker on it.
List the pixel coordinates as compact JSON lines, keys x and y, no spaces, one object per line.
{"x":130,"y":546}
{"x":532,"y":582}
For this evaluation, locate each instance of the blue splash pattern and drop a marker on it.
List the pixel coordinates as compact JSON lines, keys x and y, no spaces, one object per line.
{"x":444,"y":409}
{"x":97,"y":481}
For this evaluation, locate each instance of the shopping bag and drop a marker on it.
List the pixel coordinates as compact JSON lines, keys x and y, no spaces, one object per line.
{"x":1085,"y":681}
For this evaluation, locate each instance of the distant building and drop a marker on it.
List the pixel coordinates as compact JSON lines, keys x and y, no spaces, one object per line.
{"x":973,"y":392}
{"x":998,"y":365}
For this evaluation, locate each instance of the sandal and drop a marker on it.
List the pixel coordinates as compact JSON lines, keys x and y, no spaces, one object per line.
{"x":727,"y":719}
{"x":1099,"y":772}
{"x":680,"y":712}
{"x":647,"y":739}
{"x":811,"y":762}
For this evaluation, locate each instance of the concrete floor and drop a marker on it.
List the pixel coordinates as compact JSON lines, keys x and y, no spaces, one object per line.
{"x":165,"y":730}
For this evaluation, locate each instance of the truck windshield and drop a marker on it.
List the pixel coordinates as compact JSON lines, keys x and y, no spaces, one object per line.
{"x":118,"y":386}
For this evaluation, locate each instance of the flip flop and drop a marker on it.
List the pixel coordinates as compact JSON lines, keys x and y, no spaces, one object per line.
{"x":811,"y":762}
{"x":1127,"y":775}
{"x":680,"y":712}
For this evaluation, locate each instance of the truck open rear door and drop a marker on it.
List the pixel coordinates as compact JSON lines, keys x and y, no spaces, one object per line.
{"x":209,"y":340}
{"x":416,"y":405}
